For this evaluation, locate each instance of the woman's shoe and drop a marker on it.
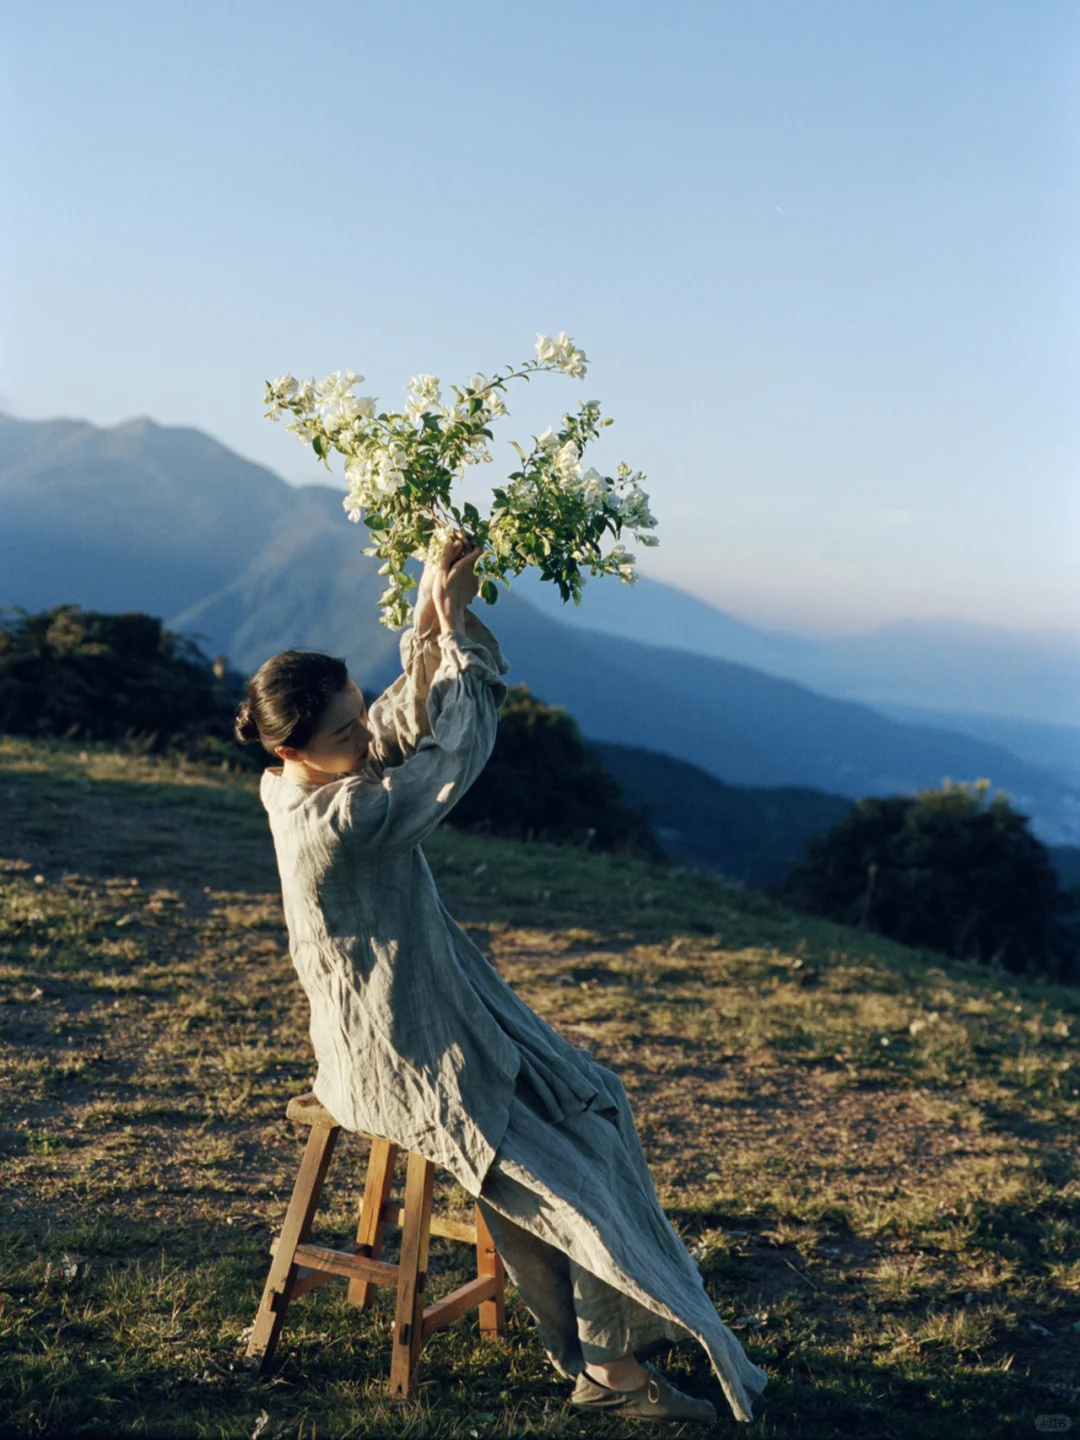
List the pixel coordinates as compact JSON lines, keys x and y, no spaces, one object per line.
{"x":656,"y":1399}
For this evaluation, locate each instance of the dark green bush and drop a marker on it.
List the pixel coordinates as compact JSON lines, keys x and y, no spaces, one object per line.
{"x":947,"y":870}
{"x":544,"y":783}
{"x":91,"y":676}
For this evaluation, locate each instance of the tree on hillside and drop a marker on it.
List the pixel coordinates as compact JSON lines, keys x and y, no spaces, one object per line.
{"x":544,"y":783}
{"x":92,"y":676}
{"x":947,"y":870}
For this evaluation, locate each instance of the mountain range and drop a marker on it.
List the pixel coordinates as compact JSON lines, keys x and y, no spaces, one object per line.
{"x":1013,"y":688}
{"x":166,"y":520}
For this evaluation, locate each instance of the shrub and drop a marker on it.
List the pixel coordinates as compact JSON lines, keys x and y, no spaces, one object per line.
{"x":544,"y":783}
{"x":91,"y":676}
{"x":947,"y":870}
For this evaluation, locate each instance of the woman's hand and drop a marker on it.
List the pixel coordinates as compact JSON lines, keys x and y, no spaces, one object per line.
{"x":454,"y":583}
{"x":425,"y":616}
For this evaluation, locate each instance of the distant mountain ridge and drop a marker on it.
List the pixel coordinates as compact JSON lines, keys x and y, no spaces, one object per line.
{"x":168,"y":521}
{"x":950,"y":666}
{"x":137,"y":512}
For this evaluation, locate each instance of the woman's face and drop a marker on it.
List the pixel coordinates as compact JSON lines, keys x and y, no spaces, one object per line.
{"x":342,"y":739}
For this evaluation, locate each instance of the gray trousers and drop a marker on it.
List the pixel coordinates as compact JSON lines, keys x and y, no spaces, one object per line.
{"x":581,"y":1318}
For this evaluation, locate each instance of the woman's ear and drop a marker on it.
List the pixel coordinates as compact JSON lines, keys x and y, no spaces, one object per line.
{"x":286,"y":752}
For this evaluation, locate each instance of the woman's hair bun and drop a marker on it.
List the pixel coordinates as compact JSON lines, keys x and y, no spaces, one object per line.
{"x":286,"y":698}
{"x":247,"y":732}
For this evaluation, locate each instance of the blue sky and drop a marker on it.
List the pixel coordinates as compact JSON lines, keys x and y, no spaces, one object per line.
{"x":822,"y":255}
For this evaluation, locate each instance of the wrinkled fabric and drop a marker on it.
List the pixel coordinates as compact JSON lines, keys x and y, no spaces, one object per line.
{"x":572,"y":1200}
{"x":419,"y":1039}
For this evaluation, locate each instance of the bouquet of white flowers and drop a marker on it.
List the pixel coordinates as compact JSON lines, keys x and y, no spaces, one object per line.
{"x":402,"y":466}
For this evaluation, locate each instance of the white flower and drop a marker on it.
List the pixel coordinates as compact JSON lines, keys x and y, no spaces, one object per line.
{"x":284,"y":385}
{"x":622,"y":563}
{"x":595,"y":489}
{"x":388,"y":470}
{"x":566,"y":464}
{"x":423,"y":395}
{"x":634,"y":509}
{"x":548,"y":440}
{"x":574,"y":364}
{"x":348,"y":412}
{"x":453,"y":415}
{"x":561,"y":351}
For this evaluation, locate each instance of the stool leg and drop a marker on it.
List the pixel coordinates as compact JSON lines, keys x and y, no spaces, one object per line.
{"x":489,"y":1262}
{"x":370,"y":1230}
{"x":295,"y":1231}
{"x":412,"y":1275}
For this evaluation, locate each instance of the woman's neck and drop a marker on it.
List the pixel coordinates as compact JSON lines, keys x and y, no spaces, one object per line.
{"x":301,"y":773}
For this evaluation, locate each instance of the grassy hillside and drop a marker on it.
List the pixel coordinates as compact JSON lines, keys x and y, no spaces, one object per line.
{"x":867,"y":1148}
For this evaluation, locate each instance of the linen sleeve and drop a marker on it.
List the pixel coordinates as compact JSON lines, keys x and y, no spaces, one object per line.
{"x":381,"y":815}
{"x":399,"y":718}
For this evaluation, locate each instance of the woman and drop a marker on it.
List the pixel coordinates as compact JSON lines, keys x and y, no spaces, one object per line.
{"x":419,"y":1039}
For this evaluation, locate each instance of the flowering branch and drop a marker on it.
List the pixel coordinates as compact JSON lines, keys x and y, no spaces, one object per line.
{"x":402,"y":466}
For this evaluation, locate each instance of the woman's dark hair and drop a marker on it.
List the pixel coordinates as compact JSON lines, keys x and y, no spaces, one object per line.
{"x":286,"y":698}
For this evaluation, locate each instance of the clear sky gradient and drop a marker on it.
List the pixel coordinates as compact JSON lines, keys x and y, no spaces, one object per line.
{"x":822,"y":255}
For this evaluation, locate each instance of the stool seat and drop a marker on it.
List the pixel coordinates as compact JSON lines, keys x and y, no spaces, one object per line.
{"x":298,"y":1266}
{"x":308,"y":1111}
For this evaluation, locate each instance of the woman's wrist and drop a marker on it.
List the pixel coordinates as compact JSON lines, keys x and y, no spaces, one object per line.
{"x":453,"y":619}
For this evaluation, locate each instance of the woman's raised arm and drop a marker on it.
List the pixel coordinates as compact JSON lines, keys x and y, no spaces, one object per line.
{"x":384,"y":816}
{"x":399,"y":718}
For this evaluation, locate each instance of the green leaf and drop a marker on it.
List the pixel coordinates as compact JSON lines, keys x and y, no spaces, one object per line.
{"x":488,"y":593}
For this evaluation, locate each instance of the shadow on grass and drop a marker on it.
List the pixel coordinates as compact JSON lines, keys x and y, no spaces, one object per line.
{"x":186,"y":836}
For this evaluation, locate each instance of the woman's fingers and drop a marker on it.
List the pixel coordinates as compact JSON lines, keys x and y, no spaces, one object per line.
{"x":462,"y":584}
{"x":453,"y":553}
{"x":468,"y":558}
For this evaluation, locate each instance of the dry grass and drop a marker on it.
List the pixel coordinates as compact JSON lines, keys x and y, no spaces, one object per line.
{"x":871,"y":1151}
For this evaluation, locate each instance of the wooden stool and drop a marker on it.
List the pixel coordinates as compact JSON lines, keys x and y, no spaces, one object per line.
{"x":298,"y":1266}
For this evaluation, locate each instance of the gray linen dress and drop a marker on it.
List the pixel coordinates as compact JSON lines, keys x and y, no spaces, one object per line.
{"x":419,"y":1039}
